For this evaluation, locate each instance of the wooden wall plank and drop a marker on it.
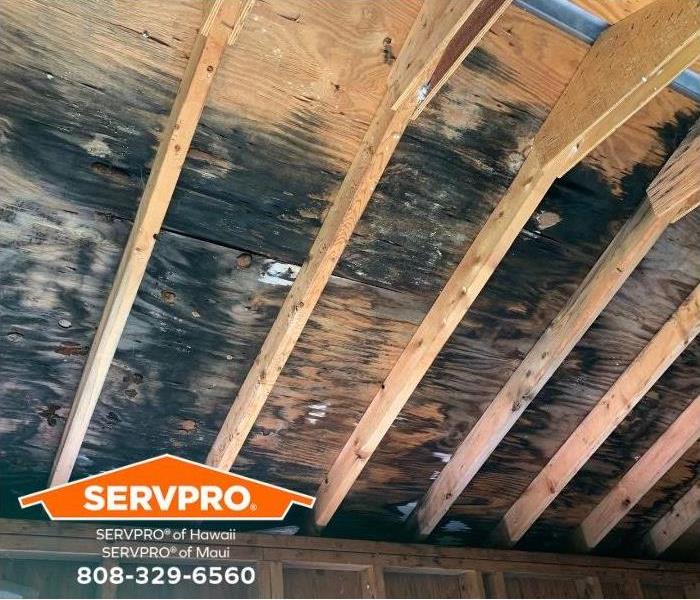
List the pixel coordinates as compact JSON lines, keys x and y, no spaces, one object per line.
{"x":679,"y":181}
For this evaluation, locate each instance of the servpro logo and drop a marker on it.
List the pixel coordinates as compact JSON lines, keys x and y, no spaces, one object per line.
{"x":166,"y":488}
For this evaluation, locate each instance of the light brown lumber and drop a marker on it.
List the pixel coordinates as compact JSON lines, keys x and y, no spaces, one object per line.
{"x":464,"y":36}
{"x":471,"y":275}
{"x":471,"y":584}
{"x":369,"y":163}
{"x":668,"y":343}
{"x":270,"y":577}
{"x":611,"y":270}
{"x":175,"y":142}
{"x":372,"y":582}
{"x":556,"y":148}
{"x":435,"y":26}
{"x":676,"y":189}
{"x":651,"y":467}
{"x":684,"y":514}
{"x":640,"y":54}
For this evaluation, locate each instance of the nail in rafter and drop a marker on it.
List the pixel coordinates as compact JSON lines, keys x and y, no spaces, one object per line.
{"x":668,"y":343}
{"x":684,"y":514}
{"x":645,"y":473}
{"x":626,"y":67}
{"x":224,"y":18}
{"x":436,"y":24}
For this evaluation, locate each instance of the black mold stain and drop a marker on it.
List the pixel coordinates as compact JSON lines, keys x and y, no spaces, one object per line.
{"x":483,"y":61}
{"x":388,"y":52}
{"x":434,"y":195}
{"x":50,"y":414}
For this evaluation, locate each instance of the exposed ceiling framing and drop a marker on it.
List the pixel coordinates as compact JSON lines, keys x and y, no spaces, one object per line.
{"x":586,"y":116}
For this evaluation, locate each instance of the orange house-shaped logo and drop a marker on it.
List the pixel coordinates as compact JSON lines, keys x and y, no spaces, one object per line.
{"x":166,"y":488}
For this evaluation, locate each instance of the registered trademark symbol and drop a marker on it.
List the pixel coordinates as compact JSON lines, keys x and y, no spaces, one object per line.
{"x":173,"y":549}
{"x":167,"y":532}
{"x":253,"y":507}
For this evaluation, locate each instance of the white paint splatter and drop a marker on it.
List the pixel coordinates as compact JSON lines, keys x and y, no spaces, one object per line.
{"x":455,"y":527}
{"x":284,"y":530}
{"x":546,"y":219}
{"x":443,"y":456}
{"x":97,"y":146}
{"x":406,"y":509}
{"x":277,"y":273}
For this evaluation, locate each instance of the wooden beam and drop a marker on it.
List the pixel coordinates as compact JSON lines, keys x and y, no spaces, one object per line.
{"x":471,"y":584}
{"x":482,"y":19}
{"x":496,"y":585}
{"x":645,"y":473}
{"x":555,"y":149}
{"x":684,"y":514}
{"x":73,"y":540}
{"x":372,"y":582}
{"x":270,"y":579}
{"x":626,"y":66}
{"x":673,"y":337}
{"x":589,"y":587}
{"x":437,"y":23}
{"x":375,"y":151}
{"x":175,"y":142}
{"x":676,"y":189}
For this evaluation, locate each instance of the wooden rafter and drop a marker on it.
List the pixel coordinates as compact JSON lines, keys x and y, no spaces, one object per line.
{"x":413,"y":66}
{"x":596,"y":102}
{"x":645,"y":473}
{"x":223,"y":20}
{"x":676,"y":190}
{"x":673,"y":337}
{"x":684,"y":514}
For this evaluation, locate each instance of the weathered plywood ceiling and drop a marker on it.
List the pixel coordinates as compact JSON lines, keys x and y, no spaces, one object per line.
{"x":87,"y":87}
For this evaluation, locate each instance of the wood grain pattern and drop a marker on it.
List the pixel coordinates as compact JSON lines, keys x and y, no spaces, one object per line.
{"x":675,"y":188}
{"x":674,"y":523}
{"x":607,"y":276}
{"x":621,"y":72}
{"x":673,"y":337}
{"x":179,"y":131}
{"x":682,"y":434}
{"x":615,"y":101}
{"x":426,"y":41}
{"x":287,"y":112}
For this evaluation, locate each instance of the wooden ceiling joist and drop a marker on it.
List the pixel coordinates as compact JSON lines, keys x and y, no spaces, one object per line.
{"x":663,"y":349}
{"x":684,"y":514}
{"x":676,"y":190}
{"x":223,"y":20}
{"x":645,"y":473}
{"x":428,"y":38}
{"x":595,"y":103}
